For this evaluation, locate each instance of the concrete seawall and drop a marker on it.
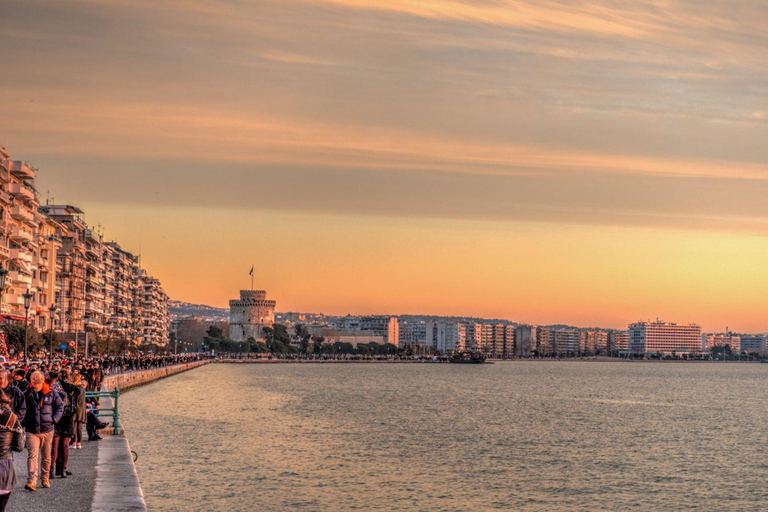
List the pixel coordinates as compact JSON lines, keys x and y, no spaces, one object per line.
{"x":131,"y":380}
{"x":117,"y":482}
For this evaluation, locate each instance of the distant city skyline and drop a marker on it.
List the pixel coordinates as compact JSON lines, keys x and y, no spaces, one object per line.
{"x":591,"y":164}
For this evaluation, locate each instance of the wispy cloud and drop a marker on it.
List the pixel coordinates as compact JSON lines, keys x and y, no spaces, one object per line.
{"x":483,"y":88}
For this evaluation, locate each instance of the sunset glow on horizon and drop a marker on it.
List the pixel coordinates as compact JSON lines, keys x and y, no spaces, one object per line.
{"x":583,"y":163}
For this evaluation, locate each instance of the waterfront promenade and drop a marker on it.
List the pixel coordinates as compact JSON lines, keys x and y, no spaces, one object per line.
{"x":103,"y":475}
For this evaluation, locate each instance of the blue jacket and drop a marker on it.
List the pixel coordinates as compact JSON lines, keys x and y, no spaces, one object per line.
{"x":44,"y":409}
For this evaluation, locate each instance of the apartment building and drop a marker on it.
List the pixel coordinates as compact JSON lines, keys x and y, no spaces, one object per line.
{"x":594,"y":341}
{"x":381,"y":325}
{"x":155,"y":320}
{"x":45,"y":284}
{"x":19,"y":221}
{"x":446,"y":337}
{"x":618,"y":341}
{"x":525,"y":340}
{"x":122,"y":290}
{"x":71,"y":260}
{"x":95,"y":316}
{"x":413,"y":333}
{"x":544,"y":342}
{"x":754,"y":343}
{"x":51,"y":252}
{"x":710,"y":341}
{"x":566,"y":342}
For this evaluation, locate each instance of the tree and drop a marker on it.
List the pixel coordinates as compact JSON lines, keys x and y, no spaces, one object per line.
{"x":192,"y":332}
{"x":14,"y":333}
{"x":57,"y":339}
{"x":304,"y":336}
{"x":281,"y":334}
{"x":215,"y":332}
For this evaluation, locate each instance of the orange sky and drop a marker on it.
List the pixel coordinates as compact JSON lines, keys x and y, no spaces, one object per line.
{"x":591,"y":163}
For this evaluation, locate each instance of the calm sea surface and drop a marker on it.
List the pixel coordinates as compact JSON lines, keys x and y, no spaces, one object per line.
{"x":507,"y":436}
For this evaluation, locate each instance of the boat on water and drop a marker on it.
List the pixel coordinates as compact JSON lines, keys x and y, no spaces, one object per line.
{"x":467,"y":358}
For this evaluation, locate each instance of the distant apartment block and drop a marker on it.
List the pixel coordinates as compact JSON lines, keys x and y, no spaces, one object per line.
{"x":710,"y":341}
{"x":525,"y":340}
{"x":618,"y":342}
{"x":754,"y":344}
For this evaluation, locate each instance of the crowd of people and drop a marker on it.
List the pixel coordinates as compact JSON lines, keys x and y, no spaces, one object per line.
{"x":44,"y":406}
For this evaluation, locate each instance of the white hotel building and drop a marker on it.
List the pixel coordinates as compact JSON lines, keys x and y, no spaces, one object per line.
{"x":664,"y":337}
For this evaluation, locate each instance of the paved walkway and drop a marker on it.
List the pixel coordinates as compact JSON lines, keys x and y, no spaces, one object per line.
{"x":71,"y":494}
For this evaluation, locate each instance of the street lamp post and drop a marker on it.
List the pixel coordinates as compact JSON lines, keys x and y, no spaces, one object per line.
{"x":52,"y":313}
{"x":86,"y":317}
{"x":3,"y":273}
{"x":27,"y":302}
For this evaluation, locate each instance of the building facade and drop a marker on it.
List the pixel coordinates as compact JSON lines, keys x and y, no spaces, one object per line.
{"x":664,"y":338}
{"x":710,"y":341}
{"x":50,"y":251}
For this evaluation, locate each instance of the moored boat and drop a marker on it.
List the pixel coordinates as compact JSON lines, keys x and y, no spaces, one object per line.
{"x":467,"y":358}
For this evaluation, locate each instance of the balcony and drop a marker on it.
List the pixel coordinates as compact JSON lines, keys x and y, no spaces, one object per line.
{"x":13,"y":299}
{"x":5,"y":253}
{"x":20,"y":279}
{"x":5,"y":197}
{"x":21,"y":234}
{"x":21,"y":255}
{"x":21,"y":170}
{"x":23,"y":192}
{"x":22,"y":213}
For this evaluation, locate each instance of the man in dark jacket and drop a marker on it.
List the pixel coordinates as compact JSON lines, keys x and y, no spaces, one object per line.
{"x":20,"y":381}
{"x":44,"y":409}
{"x":18,"y":402}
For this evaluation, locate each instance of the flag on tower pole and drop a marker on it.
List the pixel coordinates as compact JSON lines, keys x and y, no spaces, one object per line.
{"x":251,"y":274}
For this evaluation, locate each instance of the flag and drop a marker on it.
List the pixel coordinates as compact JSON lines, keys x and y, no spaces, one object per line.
{"x":251,"y":272}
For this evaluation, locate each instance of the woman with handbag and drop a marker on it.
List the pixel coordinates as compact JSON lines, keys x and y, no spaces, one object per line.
{"x":11,"y":439}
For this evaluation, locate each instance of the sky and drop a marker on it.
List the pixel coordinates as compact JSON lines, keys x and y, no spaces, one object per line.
{"x":578,"y":162}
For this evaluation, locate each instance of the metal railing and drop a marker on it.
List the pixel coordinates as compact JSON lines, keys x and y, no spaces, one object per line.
{"x":114,"y":395}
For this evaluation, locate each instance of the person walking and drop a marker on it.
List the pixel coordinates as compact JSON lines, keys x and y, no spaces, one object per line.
{"x":44,"y":409}
{"x":11,"y":440}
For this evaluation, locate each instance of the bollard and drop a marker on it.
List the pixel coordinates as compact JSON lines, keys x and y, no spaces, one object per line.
{"x":118,"y":430}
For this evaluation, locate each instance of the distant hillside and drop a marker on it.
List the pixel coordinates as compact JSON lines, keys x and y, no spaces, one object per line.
{"x":181,"y":309}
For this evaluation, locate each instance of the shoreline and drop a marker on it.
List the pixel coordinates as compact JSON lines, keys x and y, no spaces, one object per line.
{"x":530,"y":360}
